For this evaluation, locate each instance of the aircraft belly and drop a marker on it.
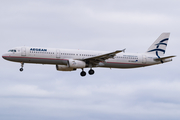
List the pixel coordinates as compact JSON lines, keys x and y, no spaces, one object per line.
{"x":120,"y":65}
{"x":38,"y":60}
{"x":47,"y":61}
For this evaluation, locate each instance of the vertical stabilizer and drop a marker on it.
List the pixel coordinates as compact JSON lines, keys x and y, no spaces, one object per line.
{"x":159,"y":46}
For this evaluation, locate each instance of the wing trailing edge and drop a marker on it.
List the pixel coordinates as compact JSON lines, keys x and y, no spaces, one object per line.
{"x":96,"y":59}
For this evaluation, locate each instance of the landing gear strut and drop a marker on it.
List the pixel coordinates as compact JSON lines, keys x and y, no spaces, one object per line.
{"x":22,"y":65}
{"x":83,"y":73}
{"x":91,"y":71}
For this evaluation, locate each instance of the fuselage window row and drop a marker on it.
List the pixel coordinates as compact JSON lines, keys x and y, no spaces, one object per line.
{"x":76,"y":54}
{"x":43,"y":52}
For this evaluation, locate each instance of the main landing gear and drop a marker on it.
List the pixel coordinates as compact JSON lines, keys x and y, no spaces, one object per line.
{"x":83,"y":73}
{"x":91,"y":71}
{"x":22,"y":65}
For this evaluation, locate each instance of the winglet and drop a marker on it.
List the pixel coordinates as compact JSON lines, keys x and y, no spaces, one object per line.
{"x":118,"y":51}
{"x":124,"y":50}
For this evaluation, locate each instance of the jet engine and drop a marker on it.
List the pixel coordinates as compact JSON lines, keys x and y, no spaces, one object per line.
{"x":64,"y":68}
{"x":76,"y":63}
{"x":71,"y":65}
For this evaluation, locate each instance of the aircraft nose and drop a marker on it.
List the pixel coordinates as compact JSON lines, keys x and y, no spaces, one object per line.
{"x":4,"y":56}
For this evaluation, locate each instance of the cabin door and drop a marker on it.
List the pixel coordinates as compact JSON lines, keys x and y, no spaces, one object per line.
{"x":57,"y":53}
{"x":23,"y":51}
{"x":144,"y":59}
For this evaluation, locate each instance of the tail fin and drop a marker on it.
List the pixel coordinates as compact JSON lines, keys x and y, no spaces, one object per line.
{"x":159,"y":46}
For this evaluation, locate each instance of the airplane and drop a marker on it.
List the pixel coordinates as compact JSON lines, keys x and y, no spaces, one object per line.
{"x":71,"y":60}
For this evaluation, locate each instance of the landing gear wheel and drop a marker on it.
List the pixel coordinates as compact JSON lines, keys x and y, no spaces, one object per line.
{"x":22,"y":65}
{"x":83,"y":73}
{"x":21,"y":69}
{"x":91,"y":71}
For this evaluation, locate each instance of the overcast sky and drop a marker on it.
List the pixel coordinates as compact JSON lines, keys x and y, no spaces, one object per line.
{"x":42,"y":93}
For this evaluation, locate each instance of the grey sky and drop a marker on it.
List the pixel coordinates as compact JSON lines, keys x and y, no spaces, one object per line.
{"x":41,"y":92}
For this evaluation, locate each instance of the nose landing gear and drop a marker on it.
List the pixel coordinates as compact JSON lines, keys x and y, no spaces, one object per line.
{"x":21,"y":69}
{"x":22,"y":65}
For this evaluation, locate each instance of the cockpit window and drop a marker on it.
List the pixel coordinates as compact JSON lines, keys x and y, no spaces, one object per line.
{"x":11,"y":50}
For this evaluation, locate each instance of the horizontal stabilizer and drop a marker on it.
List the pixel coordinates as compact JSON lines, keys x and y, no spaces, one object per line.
{"x":163,"y":58}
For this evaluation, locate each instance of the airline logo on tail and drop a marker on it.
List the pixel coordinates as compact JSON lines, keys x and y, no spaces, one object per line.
{"x":157,"y":47}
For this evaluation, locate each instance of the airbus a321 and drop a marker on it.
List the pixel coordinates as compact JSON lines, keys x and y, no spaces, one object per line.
{"x":70,"y":60}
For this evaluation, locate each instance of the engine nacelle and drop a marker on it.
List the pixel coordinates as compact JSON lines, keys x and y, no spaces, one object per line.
{"x":71,"y":65}
{"x":76,"y":64}
{"x":64,"y":68}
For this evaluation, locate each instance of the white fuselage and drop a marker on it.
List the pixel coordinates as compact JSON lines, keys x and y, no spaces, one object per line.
{"x":69,"y":60}
{"x":61,"y":56}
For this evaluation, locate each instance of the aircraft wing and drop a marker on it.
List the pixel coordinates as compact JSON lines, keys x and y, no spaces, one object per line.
{"x":96,"y":59}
